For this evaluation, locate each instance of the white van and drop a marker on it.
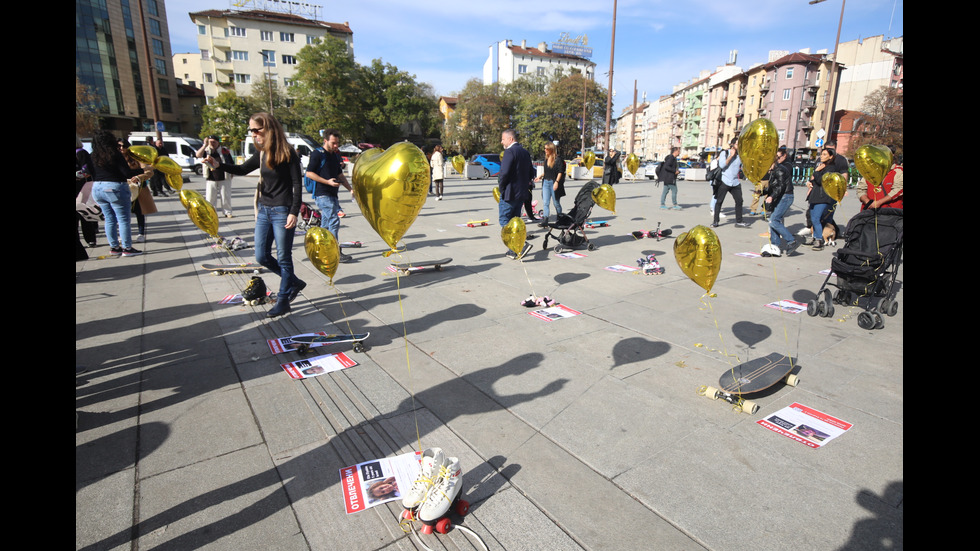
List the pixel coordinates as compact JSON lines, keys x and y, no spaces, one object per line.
{"x":180,"y":147}
{"x":303,"y":144}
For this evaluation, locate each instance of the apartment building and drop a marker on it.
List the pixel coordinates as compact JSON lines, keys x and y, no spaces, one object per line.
{"x":507,"y":62}
{"x":239,"y":47}
{"x":112,"y":62}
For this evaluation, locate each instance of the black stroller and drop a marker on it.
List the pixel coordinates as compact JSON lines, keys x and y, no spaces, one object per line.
{"x":866,"y":267}
{"x":572,"y":225}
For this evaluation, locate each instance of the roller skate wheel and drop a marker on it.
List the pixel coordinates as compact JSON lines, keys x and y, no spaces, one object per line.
{"x":444,"y":526}
{"x":462,"y":508}
{"x":426,"y":529}
{"x":407,"y":514}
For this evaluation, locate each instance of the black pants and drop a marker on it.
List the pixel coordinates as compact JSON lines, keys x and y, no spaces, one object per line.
{"x":720,"y":194}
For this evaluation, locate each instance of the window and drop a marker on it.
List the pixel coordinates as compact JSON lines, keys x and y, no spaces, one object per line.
{"x":201,"y":29}
{"x":784,"y":114}
{"x":208,"y":77}
{"x":151,"y":7}
{"x":205,"y":55}
{"x":155,"y":28}
{"x":163,"y":86}
{"x":287,"y":37}
{"x":789,"y":72}
{"x":237,"y":31}
{"x":161,"y":66}
{"x":288,"y":60}
{"x":239,"y":55}
{"x":312,"y":39}
{"x":158,"y":47}
{"x":165,"y":105}
{"x":266,"y":36}
{"x":268,"y":58}
{"x":786,"y":93}
{"x":287,"y":82}
{"x":521,"y":69}
{"x":243,"y":78}
{"x":541,"y":71}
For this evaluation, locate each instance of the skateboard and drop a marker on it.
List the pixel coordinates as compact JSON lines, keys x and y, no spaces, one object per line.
{"x":409,"y":267}
{"x":306,"y":342}
{"x":221,"y":269}
{"x":657,"y":233}
{"x":597,"y":224}
{"x":352,"y":244}
{"x":750,"y":377}
{"x":475,"y":223}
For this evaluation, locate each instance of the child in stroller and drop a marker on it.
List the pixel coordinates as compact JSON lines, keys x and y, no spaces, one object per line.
{"x":866,"y":267}
{"x":571,"y":225}
{"x":308,"y":217}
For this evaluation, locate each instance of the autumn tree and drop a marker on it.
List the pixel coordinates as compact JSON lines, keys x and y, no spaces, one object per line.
{"x":86,"y":110}
{"x":883,"y":121}
{"x":481,"y":114}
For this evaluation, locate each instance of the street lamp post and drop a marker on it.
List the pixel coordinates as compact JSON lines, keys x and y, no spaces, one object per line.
{"x":268,"y":79}
{"x":829,"y":115}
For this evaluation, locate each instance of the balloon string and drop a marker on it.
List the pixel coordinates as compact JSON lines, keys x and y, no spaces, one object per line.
{"x":408,"y":362}
{"x":775,"y":277}
{"x":529,"y":284}
{"x":738,"y":384}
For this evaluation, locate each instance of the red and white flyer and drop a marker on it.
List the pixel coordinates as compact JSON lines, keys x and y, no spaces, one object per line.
{"x":790,"y":306}
{"x":805,"y":425}
{"x":378,"y":481}
{"x":320,"y":365}
{"x":556,"y":312}
{"x":286,"y":344}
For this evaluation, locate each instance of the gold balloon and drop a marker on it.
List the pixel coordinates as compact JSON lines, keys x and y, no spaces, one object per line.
{"x":167,"y":165}
{"x":632,"y":164}
{"x":188,"y":195}
{"x":323,"y":250}
{"x":514,"y":235}
{"x":698,"y":253}
{"x":605,"y":197}
{"x":588,"y":159}
{"x":390,"y":188}
{"x":176,"y":181}
{"x":834,"y":185}
{"x":145,"y":154}
{"x":202,"y":214}
{"x":873,"y":162}
{"x":496,"y":194}
{"x":757,"y":146}
{"x":459,"y":163}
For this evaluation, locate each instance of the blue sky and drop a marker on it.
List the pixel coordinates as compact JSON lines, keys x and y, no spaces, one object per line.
{"x":659,"y":43}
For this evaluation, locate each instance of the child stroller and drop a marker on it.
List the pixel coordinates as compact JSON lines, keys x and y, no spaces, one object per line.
{"x":866,"y":267}
{"x":308,"y":217}
{"x":571,"y":226}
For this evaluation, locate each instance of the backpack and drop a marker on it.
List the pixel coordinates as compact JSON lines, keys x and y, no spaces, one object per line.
{"x":310,"y":183}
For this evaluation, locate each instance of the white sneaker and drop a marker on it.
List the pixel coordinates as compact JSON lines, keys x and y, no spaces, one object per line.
{"x":139,"y":238}
{"x":805,"y":232}
{"x":443,"y":492}
{"x":430,"y":464}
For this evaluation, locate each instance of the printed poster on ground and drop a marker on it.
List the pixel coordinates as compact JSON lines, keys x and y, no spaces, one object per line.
{"x":378,"y":481}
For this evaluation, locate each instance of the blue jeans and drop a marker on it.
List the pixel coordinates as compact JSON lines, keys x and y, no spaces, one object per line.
{"x":329,"y":206}
{"x":672,"y":188}
{"x":115,"y":200}
{"x":270,"y":225}
{"x":820,"y":214}
{"x":776,"y":227}
{"x":547,"y":196}
{"x":506,"y":211}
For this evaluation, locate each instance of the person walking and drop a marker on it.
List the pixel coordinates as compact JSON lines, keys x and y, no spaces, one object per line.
{"x":438,"y":164}
{"x":552,"y":182}
{"x":730,"y":184}
{"x":779,"y":197}
{"x":514,"y":179}
{"x":668,"y":177}
{"x":277,"y":202}
{"x":325,"y":168}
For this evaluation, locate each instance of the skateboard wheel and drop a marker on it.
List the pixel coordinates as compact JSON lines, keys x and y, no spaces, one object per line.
{"x":462,"y":508}
{"x":748,"y":406}
{"x":358,"y":347}
{"x":303,"y":349}
{"x":444,"y":526}
{"x":710,"y":392}
{"x":792,"y":380}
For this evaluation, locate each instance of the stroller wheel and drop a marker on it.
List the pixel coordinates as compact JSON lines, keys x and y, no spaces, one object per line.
{"x":592,"y":246}
{"x":866,"y":321}
{"x":827,"y":310}
{"x":879,"y":321}
{"x":558,"y":248}
{"x":889,"y":307}
{"x":812,"y":309}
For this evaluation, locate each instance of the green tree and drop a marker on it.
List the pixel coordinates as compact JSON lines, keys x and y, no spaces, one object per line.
{"x":328,"y":90}
{"x":227,"y":116}
{"x":281,"y":103}
{"x":396,"y":105}
{"x":556,"y":115}
{"x":482,"y":113}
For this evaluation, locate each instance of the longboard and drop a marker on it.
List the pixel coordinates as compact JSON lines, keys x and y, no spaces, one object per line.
{"x":352,"y":244}
{"x":751,"y":377}
{"x":597,"y":224}
{"x":409,"y":267}
{"x":475,"y":223}
{"x":309,"y":341}
{"x":221,"y":269}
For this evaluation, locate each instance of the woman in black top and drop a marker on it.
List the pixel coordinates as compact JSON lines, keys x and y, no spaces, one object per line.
{"x":278,"y":199}
{"x":552,"y":181}
{"x":110,"y":189}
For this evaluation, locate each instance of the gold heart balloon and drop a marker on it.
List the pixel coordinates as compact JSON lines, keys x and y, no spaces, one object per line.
{"x":632,"y":164}
{"x":605,"y":197}
{"x":514,"y":235}
{"x":390,"y":188}
{"x":873,"y":162}
{"x":588,"y":159}
{"x":757,"y":146}
{"x":459,"y":163}
{"x":834,"y":185}
{"x":201,"y":213}
{"x":323,"y":250}
{"x":145,"y":154}
{"x":496,"y":194}
{"x":188,"y":195}
{"x":167,"y":166}
{"x":698,"y":253}
{"x":175,"y":181}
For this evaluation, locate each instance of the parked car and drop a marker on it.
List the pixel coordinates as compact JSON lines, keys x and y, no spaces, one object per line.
{"x":180,"y":147}
{"x":489,"y":161}
{"x":650,"y":169}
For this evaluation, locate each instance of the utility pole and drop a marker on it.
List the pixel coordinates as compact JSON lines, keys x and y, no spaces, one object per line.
{"x":612,"y":56}
{"x":633,"y":121}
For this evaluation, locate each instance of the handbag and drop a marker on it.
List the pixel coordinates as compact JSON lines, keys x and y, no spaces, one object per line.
{"x":147,"y":205}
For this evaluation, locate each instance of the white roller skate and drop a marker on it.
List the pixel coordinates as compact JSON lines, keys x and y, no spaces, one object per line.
{"x":433,"y":460}
{"x":770,"y":250}
{"x":443,"y":495}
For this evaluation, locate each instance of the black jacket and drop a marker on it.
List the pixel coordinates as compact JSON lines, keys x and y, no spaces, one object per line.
{"x":780,"y":183}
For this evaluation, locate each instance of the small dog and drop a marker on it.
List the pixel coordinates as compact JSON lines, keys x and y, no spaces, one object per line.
{"x":830,"y":235}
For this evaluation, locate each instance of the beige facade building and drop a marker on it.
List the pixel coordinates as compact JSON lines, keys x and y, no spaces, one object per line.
{"x":869,"y":64}
{"x":238,"y":48}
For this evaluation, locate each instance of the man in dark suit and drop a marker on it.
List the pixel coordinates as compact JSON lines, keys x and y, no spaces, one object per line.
{"x":514,"y":179}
